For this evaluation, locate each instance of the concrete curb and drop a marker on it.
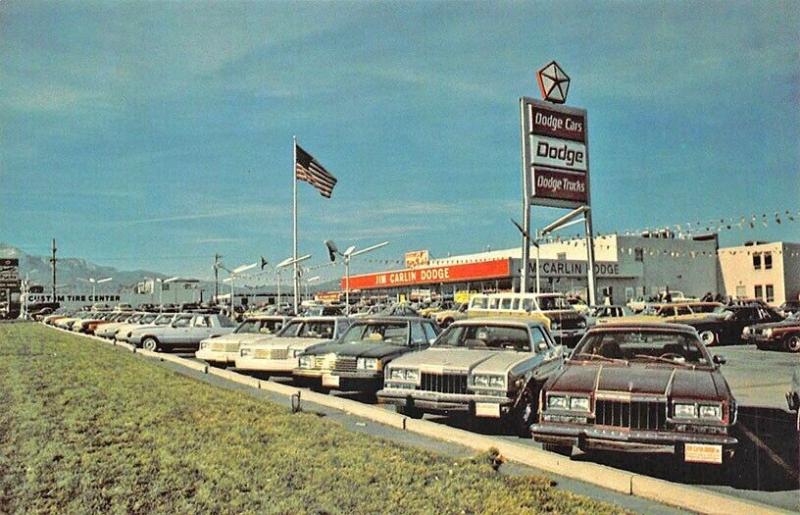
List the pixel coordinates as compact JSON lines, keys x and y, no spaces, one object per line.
{"x":674,"y":494}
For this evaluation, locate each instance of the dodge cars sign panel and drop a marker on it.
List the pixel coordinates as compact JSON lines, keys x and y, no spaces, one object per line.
{"x":555,"y":154}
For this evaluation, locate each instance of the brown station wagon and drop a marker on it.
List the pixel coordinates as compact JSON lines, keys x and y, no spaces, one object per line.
{"x":646,"y":387}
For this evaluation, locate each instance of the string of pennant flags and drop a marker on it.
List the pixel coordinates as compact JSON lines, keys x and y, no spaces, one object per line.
{"x":680,"y":231}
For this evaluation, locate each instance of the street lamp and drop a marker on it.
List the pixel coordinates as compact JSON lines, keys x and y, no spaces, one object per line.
{"x":283,"y":264}
{"x":162,"y":282}
{"x":236,"y":272}
{"x":95,"y":282}
{"x":309,"y":281}
{"x":348,"y":254}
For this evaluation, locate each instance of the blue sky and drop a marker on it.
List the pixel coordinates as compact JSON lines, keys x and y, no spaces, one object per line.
{"x":153,"y":134}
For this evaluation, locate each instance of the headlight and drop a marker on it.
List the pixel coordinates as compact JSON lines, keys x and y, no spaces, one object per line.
{"x":245,"y":352}
{"x":488,"y":381}
{"x":582,"y":323}
{"x":579,"y":404}
{"x":714,"y":412}
{"x":203,"y":345}
{"x":768,"y":332}
{"x":746,"y":331}
{"x":306,"y":361}
{"x":557,"y":402}
{"x":404,"y":374}
{"x":685,"y":411}
{"x":367,"y":364}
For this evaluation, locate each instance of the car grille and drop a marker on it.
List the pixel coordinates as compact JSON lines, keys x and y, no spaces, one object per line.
{"x":645,"y":416}
{"x":345,"y":364}
{"x":326,"y":362}
{"x":271,"y":353}
{"x":443,"y":383}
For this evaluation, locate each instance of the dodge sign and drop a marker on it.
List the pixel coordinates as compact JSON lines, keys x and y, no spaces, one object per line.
{"x":555,"y":154}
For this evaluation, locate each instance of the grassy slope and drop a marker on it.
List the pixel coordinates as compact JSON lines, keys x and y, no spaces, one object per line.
{"x":85,"y":428}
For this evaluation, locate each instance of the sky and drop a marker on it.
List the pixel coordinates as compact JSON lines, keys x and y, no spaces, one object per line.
{"x":152,"y":135}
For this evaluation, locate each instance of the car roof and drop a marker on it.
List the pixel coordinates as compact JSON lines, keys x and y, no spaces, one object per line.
{"x":382,"y":319}
{"x":646,"y":326}
{"x":500,"y":321}
{"x":320,"y":318}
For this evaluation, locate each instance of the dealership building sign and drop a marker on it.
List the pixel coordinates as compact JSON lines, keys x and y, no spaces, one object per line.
{"x":423,"y":275}
{"x":9,"y":274}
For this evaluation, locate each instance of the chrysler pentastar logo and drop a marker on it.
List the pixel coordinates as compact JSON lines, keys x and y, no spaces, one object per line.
{"x":553,"y":83}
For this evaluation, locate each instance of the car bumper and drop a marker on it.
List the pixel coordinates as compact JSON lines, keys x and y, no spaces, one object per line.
{"x":590,"y":437}
{"x":343,"y":381}
{"x":433,"y":402}
{"x":216,"y":356}
{"x":274,"y":366}
{"x":763,"y":341}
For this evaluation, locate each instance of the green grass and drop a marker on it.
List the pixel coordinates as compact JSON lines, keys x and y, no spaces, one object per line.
{"x":88,"y":428}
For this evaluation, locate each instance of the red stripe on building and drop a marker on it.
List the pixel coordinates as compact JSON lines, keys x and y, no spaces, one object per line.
{"x":497,"y":269}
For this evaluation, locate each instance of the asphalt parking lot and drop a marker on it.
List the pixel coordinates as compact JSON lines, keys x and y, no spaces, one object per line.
{"x":766,"y":466}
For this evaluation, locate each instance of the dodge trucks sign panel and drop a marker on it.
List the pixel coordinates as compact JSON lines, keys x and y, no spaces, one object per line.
{"x":555,"y":154}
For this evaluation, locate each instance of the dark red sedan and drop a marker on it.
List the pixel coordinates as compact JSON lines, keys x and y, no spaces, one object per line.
{"x":650,"y":388}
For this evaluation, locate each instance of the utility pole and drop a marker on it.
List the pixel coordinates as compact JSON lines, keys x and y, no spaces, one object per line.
{"x":217,"y":257}
{"x":53,"y":261}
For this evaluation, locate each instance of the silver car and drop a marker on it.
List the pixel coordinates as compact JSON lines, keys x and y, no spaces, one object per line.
{"x":484,"y":367}
{"x":223,"y":350}
{"x":186,"y":331}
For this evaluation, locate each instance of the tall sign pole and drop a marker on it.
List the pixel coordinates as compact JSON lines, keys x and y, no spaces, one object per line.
{"x":53,"y":261}
{"x":555,"y":159}
{"x":526,"y":205}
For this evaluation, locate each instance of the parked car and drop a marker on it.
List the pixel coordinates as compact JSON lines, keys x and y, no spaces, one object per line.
{"x":110,"y":330}
{"x":566,"y":325}
{"x":224,"y":350}
{"x":186,"y":331}
{"x":783,"y":335}
{"x":789,"y":307}
{"x":133,"y":333}
{"x":277,"y":355}
{"x":126,"y":324}
{"x":647,"y":387}
{"x":670,"y":312}
{"x":793,"y":397}
{"x":725,"y":325}
{"x":356,"y":361}
{"x":606,"y":312}
{"x":489,"y":368}
{"x":448,"y":316}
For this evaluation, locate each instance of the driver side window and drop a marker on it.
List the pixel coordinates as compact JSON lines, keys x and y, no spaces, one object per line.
{"x":538,"y":337}
{"x":418,"y":335}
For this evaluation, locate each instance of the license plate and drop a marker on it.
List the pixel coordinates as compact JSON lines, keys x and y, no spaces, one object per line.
{"x":487,"y":409}
{"x":702,"y":453}
{"x":330,"y":381}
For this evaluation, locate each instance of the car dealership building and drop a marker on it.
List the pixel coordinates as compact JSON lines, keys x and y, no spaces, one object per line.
{"x":625,"y":267}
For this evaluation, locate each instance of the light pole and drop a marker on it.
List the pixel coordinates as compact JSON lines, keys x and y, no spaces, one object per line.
{"x":235,"y":273}
{"x":283,"y":264}
{"x":309,"y":281}
{"x":348,"y":254}
{"x":162,"y":282}
{"x":95,"y":282}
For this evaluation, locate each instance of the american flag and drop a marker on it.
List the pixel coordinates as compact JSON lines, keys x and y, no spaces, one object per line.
{"x":308,"y":169}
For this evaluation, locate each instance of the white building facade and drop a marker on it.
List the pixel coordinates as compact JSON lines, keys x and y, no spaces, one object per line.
{"x":766,"y":271}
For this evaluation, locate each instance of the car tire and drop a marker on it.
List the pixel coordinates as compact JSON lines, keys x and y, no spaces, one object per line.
{"x":150,"y":343}
{"x":708,"y":337}
{"x":409,"y":411}
{"x":519,"y":420}
{"x":792,"y":343}
{"x":564,"y":450}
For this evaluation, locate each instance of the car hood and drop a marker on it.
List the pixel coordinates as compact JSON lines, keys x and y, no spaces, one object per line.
{"x":443,"y":360}
{"x":782,"y":323}
{"x":289,"y":343}
{"x":359,"y":350}
{"x":640,"y":379}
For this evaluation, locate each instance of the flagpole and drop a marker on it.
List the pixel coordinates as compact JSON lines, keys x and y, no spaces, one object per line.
{"x":294,"y":220}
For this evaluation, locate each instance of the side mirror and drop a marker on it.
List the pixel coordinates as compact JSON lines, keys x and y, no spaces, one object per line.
{"x":719,"y":360}
{"x":541,"y":346}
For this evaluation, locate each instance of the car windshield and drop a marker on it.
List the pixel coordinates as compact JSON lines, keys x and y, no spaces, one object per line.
{"x":256,"y":326}
{"x":552,"y":302}
{"x":486,"y":336}
{"x":642,"y":345}
{"x":394,"y":333}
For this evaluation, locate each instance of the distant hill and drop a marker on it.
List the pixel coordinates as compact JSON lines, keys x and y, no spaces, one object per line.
{"x":74,"y":274}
